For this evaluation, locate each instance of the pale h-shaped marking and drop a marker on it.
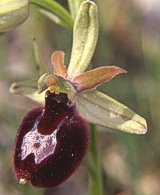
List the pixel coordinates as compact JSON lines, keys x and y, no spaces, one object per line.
{"x":40,"y":145}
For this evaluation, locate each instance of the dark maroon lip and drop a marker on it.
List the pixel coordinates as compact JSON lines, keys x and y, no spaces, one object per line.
{"x":51,"y":142}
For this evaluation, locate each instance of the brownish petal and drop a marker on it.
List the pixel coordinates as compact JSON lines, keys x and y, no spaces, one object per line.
{"x":57,"y":60}
{"x":95,"y":77}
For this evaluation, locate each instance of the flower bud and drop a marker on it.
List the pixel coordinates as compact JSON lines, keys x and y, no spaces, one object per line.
{"x":12,"y":13}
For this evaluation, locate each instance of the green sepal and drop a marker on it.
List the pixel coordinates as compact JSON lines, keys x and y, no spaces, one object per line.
{"x":28,"y":88}
{"x":100,"y":109}
{"x":85,"y":35}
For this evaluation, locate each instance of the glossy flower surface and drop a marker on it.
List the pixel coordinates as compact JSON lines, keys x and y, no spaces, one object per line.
{"x":50,"y":143}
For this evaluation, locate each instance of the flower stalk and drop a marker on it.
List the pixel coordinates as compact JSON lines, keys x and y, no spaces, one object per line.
{"x":94,"y":164}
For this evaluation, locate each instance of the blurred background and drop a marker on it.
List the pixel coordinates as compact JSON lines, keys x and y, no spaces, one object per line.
{"x":129,"y":38}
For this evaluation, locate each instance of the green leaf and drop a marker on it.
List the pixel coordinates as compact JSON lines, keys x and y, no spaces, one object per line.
{"x":56,"y":9}
{"x":85,"y":35}
{"x":100,"y":109}
{"x":28,"y":88}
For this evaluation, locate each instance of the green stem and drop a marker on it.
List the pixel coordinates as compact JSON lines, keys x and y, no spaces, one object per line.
{"x":94,"y":164}
{"x":56,"y":9}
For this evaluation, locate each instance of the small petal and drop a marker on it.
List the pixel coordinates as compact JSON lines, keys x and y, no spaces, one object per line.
{"x":95,"y":77}
{"x":100,"y":109}
{"x":57,"y":60}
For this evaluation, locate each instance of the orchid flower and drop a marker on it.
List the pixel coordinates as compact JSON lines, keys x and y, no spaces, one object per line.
{"x":52,"y":139}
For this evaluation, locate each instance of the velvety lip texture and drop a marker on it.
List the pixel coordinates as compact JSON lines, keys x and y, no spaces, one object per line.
{"x":50,"y":143}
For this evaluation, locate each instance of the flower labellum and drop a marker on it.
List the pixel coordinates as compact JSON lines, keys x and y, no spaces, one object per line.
{"x":51,"y":142}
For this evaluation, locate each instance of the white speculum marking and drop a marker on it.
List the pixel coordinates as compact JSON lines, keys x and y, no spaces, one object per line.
{"x":40,"y":145}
